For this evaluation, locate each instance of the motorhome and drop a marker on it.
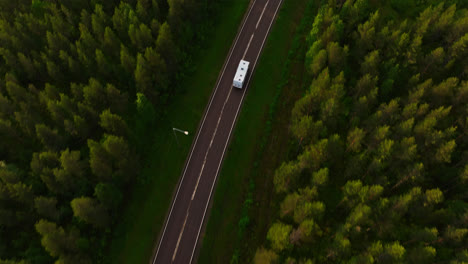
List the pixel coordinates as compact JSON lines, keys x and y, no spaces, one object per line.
{"x":241,"y":74}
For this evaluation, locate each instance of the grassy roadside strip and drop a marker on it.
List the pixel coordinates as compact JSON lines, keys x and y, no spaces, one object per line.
{"x":145,"y":210}
{"x":230,"y":225}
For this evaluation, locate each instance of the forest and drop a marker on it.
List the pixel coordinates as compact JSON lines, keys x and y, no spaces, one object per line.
{"x":378,"y":171}
{"x":82,"y":84}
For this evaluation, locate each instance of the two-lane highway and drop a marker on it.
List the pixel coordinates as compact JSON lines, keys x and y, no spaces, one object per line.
{"x":180,"y":236}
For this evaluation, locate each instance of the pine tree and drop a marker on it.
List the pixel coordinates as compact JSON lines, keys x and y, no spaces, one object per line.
{"x":95,"y":95}
{"x":90,"y":211}
{"x":143,"y":78}
{"x":46,"y":207}
{"x":50,"y":138}
{"x":445,"y":151}
{"x":111,"y":43}
{"x":99,"y":161}
{"x":354,"y":139}
{"x":99,"y":21}
{"x":125,"y":165}
{"x":167,"y":48}
{"x":108,"y":195}
{"x":104,"y":66}
{"x":127,"y":60}
{"x":55,"y":240}
{"x":113,"y":123}
{"x":320,"y":177}
{"x":117,"y":100}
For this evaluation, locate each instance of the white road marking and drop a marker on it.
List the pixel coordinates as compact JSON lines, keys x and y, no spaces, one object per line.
{"x":200,"y":129}
{"x":258,"y":22}
{"x":200,"y":174}
{"x":229,"y":136}
{"x":248,"y":45}
{"x":211,"y":143}
{"x":180,"y":236}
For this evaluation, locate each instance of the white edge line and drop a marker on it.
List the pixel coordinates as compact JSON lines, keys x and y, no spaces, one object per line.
{"x":200,"y":129}
{"x":229,"y":136}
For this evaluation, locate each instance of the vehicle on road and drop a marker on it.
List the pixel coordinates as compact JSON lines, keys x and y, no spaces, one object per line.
{"x":241,"y":73}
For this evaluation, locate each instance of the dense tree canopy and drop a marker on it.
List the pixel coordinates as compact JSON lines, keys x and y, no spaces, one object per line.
{"x":381,"y":175}
{"x":81,"y":83}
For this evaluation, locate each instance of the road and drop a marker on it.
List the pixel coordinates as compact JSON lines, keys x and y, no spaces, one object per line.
{"x":179,"y":240}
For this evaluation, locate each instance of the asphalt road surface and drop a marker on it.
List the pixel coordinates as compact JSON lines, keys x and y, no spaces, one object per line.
{"x":180,"y":237}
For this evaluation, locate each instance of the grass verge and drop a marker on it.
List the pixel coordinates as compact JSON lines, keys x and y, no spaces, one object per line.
{"x":145,"y":210}
{"x":243,"y":191}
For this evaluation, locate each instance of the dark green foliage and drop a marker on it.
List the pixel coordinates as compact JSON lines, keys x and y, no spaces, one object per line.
{"x":90,"y":211}
{"x":46,"y":207}
{"x":108,"y":194}
{"x":383,"y":123}
{"x":82,"y":85}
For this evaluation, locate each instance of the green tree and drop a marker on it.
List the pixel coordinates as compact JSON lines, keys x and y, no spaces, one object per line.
{"x":278,"y":235}
{"x":95,"y":95}
{"x":434,"y":196}
{"x":119,"y":151}
{"x":117,"y":100}
{"x":289,"y":204}
{"x":166,"y":47}
{"x":143,"y":78}
{"x":284,"y":175}
{"x":112,"y":44}
{"x":359,"y":216}
{"x":455,"y":235}
{"x":108,"y":195}
{"x":307,"y":230}
{"x":71,"y":174}
{"x":55,"y":240}
{"x":320,"y":177}
{"x":336,"y":56}
{"x":140,"y":36}
{"x":313,"y":155}
{"x":46,"y":207}
{"x":90,"y":211}
{"x":341,"y":244}
{"x":99,"y":160}
{"x":99,"y":20}
{"x":113,"y":123}
{"x":371,"y":63}
{"x":444,"y":152}
{"x":355,"y":138}
{"x":308,"y":209}
{"x":127,"y":60}
{"x":104,"y":66}
{"x":306,"y":129}
{"x":393,"y":252}
{"x":265,"y":256}
{"x":422,"y":254}
{"x":50,"y":138}
{"x":157,"y":64}
{"x":72,"y":163}
{"x":319,"y":62}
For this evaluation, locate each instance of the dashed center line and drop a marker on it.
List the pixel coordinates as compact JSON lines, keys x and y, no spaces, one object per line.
{"x":201,"y":172}
{"x":213,"y":136}
{"x":248,"y":45}
{"x":211,"y":143}
{"x":258,"y":22}
{"x":180,"y":236}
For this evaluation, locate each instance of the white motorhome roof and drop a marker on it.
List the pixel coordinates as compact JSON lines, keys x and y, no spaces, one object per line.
{"x":241,"y":71}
